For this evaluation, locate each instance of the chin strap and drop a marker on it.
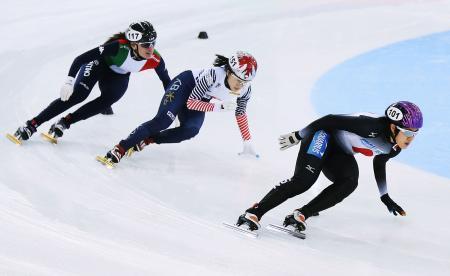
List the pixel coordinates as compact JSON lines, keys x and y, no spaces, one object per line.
{"x":395,"y":147}
{"x":135,"y":55}
{"x":393,"y":135}
{"x":226,"y":82}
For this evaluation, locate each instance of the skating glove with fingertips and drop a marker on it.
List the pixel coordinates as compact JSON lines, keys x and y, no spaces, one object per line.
{"x":289,"y":140}
{"x":392,"y":206}
{"x":248,"y":149}
{"x":67,"y":89}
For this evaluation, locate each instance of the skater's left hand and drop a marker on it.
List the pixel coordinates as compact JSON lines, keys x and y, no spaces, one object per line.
{"x":248,"y":150}
{"x":392,"y":206}
{"x":67,"y":89}
{"x":288,"y":140}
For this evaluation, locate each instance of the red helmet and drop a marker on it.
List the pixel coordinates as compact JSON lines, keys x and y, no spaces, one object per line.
{"x":243,"y":65}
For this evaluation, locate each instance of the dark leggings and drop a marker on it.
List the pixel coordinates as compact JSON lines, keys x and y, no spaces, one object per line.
{"x":172,"y":104}
{"x":337,"y":166}
{"x":112,"y":87}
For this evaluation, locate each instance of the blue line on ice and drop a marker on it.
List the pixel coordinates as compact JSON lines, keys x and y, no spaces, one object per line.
{"x":417,"y":70}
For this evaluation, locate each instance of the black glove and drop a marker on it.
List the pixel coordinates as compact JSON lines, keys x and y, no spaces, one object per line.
{"x":392,"y":206}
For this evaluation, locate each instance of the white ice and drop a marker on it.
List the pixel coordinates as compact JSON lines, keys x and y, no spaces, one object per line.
{"x":160,"y":212}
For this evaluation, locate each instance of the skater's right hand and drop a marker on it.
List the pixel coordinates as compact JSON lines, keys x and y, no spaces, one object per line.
{"x":248,"y":150}
{"x":67,"y":89}
{"x":288,"y":140}
{"x":392,"y":206}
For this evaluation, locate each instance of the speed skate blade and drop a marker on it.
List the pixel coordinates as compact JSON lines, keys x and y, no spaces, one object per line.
{"x":105,"y":161}
{"x":49,"y":138}
{"x":278,"y":228}
{"x":13,"y":139}
{"x":246,"y":232}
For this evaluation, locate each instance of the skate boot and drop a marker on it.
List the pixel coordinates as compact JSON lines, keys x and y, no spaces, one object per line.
{"x":140,"y":146}
{"x":57,"y":129}
{"x":24,"y":132}
{"x":250,"y":220}
{"x":115,"y":154}
{"x":296,"y":219}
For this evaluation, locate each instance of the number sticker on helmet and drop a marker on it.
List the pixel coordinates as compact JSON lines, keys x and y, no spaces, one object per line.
{"x":394,"y":113}
{"x":133,"y":35}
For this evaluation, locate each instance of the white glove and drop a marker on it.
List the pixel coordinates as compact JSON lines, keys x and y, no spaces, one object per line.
{"x":225,"y":106}
{"x":248,"y":150}
{"x":288,"y":140}
{"x":67,"y":89}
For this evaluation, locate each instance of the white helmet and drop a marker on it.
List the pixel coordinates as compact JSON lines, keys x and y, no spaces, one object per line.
{"x":243,"y":65}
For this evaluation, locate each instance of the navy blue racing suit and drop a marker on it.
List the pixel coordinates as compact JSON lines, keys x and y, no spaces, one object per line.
{"x":104,"y":65}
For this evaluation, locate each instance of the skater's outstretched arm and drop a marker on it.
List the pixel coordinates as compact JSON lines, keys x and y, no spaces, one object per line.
{"x":161,"y":70}
{"x":241,"y":115}
{"x":242,"y":121}
{"x":379,"y":168}
{"x":109,"y":49}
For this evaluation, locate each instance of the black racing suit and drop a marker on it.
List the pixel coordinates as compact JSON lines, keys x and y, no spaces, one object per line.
{"x":328,"y":145}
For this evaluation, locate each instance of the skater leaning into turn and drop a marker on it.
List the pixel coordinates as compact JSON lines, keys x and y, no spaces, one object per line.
{"x":188,"y":97}
{"x":328,"y":145}
{"x":110,"y":65}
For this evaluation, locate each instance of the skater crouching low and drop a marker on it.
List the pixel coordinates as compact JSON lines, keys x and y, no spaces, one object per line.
{"x":328,"y":145}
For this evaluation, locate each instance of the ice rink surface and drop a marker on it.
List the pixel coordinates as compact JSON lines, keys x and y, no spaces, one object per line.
{"x":160,"y":212}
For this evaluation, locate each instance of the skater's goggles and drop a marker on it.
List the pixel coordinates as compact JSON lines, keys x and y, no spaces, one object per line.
{"x":147,"y":45}
{"x":407,"y":132}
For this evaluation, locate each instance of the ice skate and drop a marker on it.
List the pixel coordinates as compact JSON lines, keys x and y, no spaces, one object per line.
{"x":112,"y":157}
{"x":250,"y":220}
{"x":56,"y":130}
{"x":23,"y":133}
{"x":115,"y":154}
{"x":139,"y":146}
{"x":297,"y":220}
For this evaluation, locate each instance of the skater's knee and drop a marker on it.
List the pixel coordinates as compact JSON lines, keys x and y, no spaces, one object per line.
{"x":191,"y":132}
{"x":347,"y":186}
{"x":160,"y":122}
{"x":78,"y":96}
{"x":113,"y":98}
{"x":106,"y":101}
{"x":300,"y":184}
{"x":292,"y":187}
{"x":352,"y":183}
